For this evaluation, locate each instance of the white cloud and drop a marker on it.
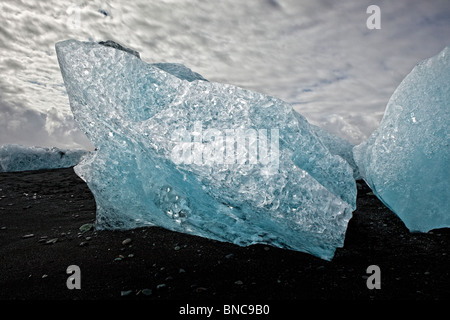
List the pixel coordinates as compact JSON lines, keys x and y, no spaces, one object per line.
{"x":21,"y":125}
{"x":318,"y":55}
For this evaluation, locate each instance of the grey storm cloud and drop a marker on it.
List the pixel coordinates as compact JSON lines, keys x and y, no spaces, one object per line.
{"x":317,"y":55}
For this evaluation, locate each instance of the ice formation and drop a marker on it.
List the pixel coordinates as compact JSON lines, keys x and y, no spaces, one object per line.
{"x":406,"y":161}
{"x":200,"y":157}
{"x":15,"y":157}
{"x":338,"y":146}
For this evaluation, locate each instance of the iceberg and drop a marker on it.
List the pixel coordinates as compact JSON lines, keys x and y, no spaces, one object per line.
{"x":406,"y":160}
{"x":14,"y":157}
{"x":203,"y":158}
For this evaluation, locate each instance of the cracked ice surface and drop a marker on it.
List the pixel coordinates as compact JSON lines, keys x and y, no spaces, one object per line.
{"x":406,"y":160}
{"x":200,"y":157}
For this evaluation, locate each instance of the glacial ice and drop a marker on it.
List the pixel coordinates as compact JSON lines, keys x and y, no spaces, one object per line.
{"x":200,"y":157}
{"x":406,"y":161}
{"x":14,"y":157}
{"x":338,"y":146}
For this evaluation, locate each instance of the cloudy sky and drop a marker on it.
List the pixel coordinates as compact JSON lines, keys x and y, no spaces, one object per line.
{"x":318,"y":55}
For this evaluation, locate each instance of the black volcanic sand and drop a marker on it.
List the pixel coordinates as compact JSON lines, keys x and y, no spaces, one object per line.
{"x":52,"y":205}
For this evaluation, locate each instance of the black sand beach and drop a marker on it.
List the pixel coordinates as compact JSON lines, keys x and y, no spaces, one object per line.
{"x":41,"y":213}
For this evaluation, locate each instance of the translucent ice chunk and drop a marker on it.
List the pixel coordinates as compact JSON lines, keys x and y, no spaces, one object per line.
{"x":406,"y":161}
{"x":22,"y":158}
{"x":338,"y":146}
{"x":202,"y":158}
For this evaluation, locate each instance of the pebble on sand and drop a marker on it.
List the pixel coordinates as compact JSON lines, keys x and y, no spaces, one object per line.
{"x":126,"y":241}
{"x":147,"y":292}
{"x":125,"y":293}
{"x":51,"y":241}
{"x":86,"y":227}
